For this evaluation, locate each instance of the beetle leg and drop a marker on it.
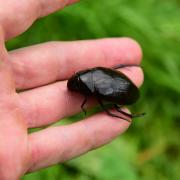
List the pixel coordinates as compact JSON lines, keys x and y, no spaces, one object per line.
{"x":127,"y":114}
{"x":109,"y":113}
{"x":122,"y":112}
{"x":83,"y":103}
{"x":124,"y":65}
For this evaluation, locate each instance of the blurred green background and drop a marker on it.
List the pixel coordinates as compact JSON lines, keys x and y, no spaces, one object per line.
{"x":150,"y":149}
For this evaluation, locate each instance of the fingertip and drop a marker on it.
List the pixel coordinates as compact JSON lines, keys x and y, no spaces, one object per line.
{"x":135,"y":74}
{"x":134,"y":50}
{"x":120,"y":51}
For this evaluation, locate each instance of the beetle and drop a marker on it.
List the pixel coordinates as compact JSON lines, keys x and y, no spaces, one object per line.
{"x":106,"y":84}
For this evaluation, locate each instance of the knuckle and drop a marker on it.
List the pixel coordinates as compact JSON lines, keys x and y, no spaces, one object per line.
{"x":8,"y":102}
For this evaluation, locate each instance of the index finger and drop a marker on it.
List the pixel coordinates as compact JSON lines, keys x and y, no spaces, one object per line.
{"x":21,"y":15}
{"x":54,"y":61}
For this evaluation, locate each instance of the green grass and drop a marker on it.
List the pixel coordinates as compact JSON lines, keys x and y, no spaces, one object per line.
{"x":150,"y":149}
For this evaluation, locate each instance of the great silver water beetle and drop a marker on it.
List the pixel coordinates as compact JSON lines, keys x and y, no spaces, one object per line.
{"x":106,"y":84}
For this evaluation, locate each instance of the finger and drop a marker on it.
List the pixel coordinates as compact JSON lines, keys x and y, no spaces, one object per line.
{"x":26,"y":13}
{"x":58,"y":144}
{"x":48,"y":104}
{"x":42,"y":64}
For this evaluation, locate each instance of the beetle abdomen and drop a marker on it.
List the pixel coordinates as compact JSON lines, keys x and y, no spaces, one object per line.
{"x":113,"y":86}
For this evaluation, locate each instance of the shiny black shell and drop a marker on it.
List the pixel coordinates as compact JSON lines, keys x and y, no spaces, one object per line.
{"x":105,"y":84}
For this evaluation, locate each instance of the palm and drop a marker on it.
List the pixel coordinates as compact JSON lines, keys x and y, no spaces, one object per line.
{"x":36,"y":70}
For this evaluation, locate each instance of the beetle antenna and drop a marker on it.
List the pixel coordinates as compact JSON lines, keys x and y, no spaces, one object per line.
{"x":125,"y":65}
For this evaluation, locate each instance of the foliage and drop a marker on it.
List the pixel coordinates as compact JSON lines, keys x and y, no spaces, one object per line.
{"x":151,"y":147}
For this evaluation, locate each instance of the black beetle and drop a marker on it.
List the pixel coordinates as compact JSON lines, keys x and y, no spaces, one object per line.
{"x":106,"y":84}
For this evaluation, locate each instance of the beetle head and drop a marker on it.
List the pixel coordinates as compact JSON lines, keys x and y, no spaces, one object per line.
{"x":73,"y":83}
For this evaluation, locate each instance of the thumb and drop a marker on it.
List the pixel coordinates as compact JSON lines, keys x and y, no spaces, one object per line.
{"x":13,"y":131}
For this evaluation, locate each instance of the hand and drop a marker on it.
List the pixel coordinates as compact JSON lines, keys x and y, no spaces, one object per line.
{"x":40,"y":67}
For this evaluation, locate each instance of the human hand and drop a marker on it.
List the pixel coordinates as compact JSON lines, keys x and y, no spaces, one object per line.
{"x":40,"y":67}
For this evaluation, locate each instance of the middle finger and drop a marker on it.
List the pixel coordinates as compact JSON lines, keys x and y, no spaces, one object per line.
{"x":48,"y":104}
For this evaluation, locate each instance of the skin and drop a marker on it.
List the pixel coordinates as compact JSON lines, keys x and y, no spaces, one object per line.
{"x":40,"y":67}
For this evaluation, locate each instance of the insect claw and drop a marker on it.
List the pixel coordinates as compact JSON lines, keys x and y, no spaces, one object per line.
{"x":138,"y":115}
